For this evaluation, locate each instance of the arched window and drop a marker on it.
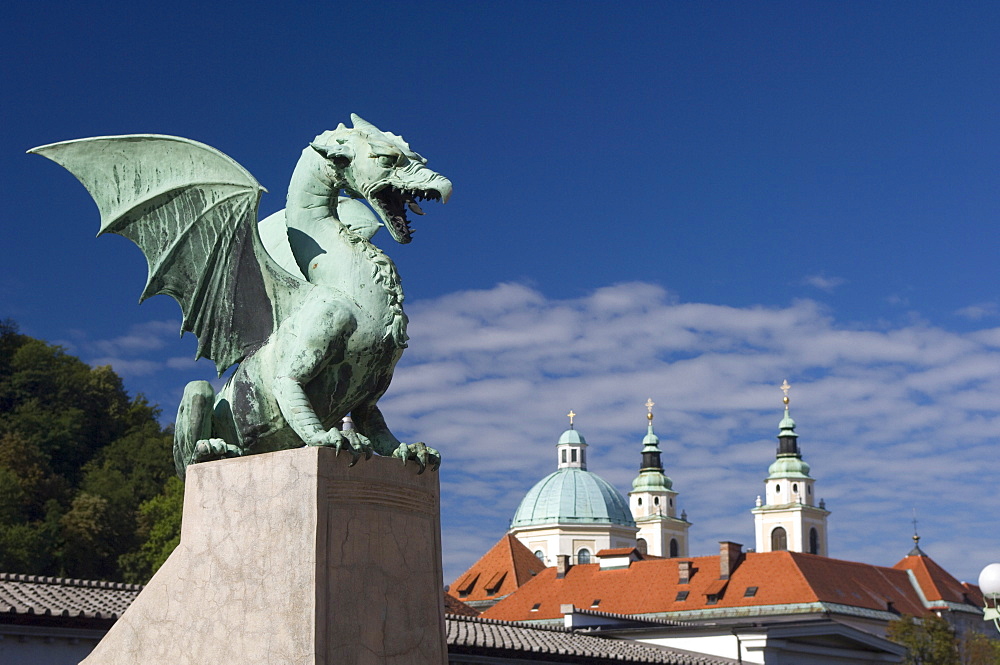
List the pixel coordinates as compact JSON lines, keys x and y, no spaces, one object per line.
{"x":673,"y":548}
{"x":640,"y":501}
{"x":779,"y":540}
{"x":641,"y":545}
{"x":813,"y":541}
{"x":540,"y":554}
{"x":656,"y":500}
{"x":583,"y":556}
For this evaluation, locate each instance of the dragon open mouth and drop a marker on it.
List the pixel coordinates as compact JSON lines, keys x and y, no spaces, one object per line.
{"x":392,"y":204}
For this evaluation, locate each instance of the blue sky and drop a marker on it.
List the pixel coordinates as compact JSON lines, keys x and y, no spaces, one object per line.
{"x":683,"y":201}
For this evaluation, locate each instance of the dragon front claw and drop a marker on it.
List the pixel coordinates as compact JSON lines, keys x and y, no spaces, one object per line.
{"x":207,"y":450}
{"x":353,"y":442}
{"x":419,"y":452}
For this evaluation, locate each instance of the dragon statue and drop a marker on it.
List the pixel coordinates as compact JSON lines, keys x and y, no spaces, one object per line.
{"x":303,"y":302}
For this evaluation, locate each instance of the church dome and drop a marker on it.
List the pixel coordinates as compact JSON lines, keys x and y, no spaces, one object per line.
{"x":788,"y":467}
{"x":572,"y":496}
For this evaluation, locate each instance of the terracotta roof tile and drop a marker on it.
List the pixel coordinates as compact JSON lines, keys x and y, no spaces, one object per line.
{"x":504,"y":568}
{"x":618,"y":551}
{"x":651,"y":586}
{"x":938,"y":584}
{"x":453,"y":605}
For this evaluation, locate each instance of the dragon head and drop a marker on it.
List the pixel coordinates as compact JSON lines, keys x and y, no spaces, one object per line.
{"x":379,"y":167}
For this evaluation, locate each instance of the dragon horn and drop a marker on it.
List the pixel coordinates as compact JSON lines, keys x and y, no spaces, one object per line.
{"x":361,"y":123}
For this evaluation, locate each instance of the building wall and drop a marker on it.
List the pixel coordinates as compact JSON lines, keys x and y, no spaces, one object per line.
{"x":553,"y":540}
{"x":40,"y":645}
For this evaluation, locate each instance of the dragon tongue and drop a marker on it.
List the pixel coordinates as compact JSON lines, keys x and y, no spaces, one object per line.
{"x":414,"y":208}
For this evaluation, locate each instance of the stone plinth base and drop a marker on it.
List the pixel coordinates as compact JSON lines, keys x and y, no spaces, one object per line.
{"x":292,"y":558}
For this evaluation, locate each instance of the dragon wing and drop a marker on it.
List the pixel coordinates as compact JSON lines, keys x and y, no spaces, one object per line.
{"x":193,"y":212}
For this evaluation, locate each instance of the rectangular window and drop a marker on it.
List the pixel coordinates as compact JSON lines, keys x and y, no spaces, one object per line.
{"x":712,"y":599}
{"x":750,"y":592}
{"x":564,"y":455}
{"x":681,"y":595}
{"x":534,"y":608}
{"x":597,"y":601}
{"x":572,"y":455}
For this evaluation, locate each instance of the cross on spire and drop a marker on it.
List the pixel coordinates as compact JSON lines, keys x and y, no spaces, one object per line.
{"x":785,"y":387}
{"x":571,"y":415}
{"x":649,"y":407}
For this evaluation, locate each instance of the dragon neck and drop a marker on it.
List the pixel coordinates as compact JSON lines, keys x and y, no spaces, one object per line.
{"x":312,"y":193}
{"x":311,"y":208}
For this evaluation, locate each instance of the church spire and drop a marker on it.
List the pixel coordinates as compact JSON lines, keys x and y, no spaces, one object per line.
{"x":651,"y":445}
{"x":653,"y":501}
{"x":571,"y":451}
{"x":916,"y":551}
{"x":788,"y":518}
{"x":787,"y":438}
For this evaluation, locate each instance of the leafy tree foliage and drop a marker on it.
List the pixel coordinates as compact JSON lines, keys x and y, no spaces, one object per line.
{"x":79,"y":460}
{"x":930,"y":640}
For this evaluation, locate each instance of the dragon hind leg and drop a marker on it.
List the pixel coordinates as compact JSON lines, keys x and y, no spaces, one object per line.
{"x":193,"y":440}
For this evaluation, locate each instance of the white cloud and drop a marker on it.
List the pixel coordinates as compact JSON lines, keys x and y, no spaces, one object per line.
{"x":824,"y":283}
{"x":979,"y":311}
{"x":141,"y":338}
{"x":888,"y":418}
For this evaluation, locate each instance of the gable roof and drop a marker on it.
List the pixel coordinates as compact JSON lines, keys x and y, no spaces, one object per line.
{"x":938,"y":585}
{"x":453,"y":605}
{"x":768,"y":582}
{"x":505,"y":567}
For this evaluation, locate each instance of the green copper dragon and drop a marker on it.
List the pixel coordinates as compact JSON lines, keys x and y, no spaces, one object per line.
{"x":306,"y":305}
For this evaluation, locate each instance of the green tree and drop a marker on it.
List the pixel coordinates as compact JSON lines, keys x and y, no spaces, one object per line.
{"x":928,"y":640}
{"x":78,"y":457}
{"x":977,"y":649}
{"x":160,"y":527}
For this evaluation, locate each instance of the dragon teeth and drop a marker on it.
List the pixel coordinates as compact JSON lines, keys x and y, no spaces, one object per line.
{"x":414,"y":208}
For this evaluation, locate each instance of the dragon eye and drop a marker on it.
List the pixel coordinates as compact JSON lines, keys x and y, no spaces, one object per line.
{"x":387,"y":161}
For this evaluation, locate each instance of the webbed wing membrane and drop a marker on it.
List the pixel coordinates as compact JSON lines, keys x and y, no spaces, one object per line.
{"x":193,"y":212}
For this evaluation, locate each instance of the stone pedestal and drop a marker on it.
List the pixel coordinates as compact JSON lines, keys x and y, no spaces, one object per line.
{"x":293,"y":558}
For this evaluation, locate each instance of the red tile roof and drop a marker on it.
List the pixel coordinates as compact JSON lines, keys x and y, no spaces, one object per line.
{"x":454,"y":606}
{"x":651,"y":586}
{"x":937,"y":583}
{"x":618,"y":551}
{"x":504,"y":568}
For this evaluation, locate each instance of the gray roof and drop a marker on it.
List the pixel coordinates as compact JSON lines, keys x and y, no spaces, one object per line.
{"x":32,"y":595}
{"x":55,"y":596}
{"x":471,"y":634}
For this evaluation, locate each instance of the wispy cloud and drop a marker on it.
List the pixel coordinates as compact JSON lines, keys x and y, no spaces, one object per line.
{"x":823,"y":282}
{"x":979,"y":311}
{"x":889,"y":418}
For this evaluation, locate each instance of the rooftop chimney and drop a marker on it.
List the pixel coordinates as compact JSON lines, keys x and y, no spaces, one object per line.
{"x":730,"y":555}
{"x":562,"y":565}
{"x":683,"y":572}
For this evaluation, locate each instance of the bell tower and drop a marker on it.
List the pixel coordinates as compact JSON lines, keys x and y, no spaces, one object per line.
{"x":788,"y":517}
{"x":653,"y":502}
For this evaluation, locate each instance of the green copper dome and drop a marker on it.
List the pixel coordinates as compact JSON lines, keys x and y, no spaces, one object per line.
{"x":788,"y":467}
{"x":572,"y":496}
